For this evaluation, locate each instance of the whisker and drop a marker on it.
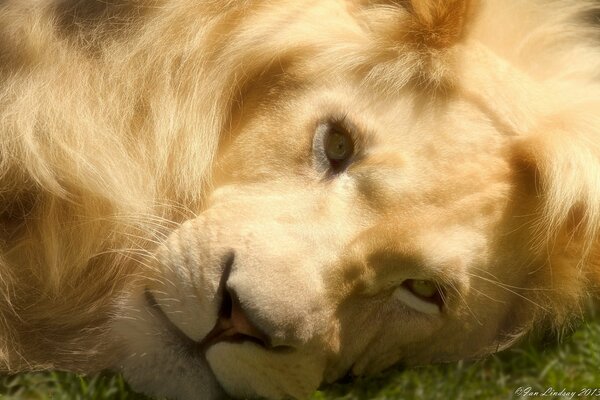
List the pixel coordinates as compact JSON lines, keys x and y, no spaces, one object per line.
{"x":508,"y":289}
{"x":488,"y":296}
{"x":453,"y":286}
{"x":506,"y":285}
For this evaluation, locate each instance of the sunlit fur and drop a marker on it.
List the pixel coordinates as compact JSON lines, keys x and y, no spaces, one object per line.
{"x":112,"y":115}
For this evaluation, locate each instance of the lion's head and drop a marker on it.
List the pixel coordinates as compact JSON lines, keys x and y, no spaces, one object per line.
{"x":254,"y":198}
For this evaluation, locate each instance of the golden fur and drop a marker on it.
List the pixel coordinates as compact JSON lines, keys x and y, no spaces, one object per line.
{"x":127,"y":124}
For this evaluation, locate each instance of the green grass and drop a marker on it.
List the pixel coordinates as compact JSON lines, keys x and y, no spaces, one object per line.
{"x":572,"y":365}
{"x":65,"y":386}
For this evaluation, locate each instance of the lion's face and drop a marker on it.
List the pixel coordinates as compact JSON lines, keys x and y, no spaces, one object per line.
{"x":346,"y":232}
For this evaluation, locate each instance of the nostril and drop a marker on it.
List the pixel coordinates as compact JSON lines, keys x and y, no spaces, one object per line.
{"x":242,"y":326}
{"x":234,"y":323}
{"x":226,"y":305}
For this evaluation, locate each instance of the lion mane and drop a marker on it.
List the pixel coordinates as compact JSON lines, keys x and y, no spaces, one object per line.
{"x":113,"y":115}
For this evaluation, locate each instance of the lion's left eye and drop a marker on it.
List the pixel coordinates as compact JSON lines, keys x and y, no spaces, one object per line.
{"x":338,"y":146}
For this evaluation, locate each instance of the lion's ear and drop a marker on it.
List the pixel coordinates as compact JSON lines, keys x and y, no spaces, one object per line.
{"x":434,"y":24}
{"x":415,"y":38}
{"x":562,"y":160}
{"x":559,"y":157}
{"x":437,"y":24}
{"x":563,"y":154}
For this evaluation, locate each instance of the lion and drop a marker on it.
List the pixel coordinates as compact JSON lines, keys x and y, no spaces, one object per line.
{"x":252,"y":198}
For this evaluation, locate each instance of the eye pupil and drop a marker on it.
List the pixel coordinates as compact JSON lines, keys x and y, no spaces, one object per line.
{"x":338,"y":146}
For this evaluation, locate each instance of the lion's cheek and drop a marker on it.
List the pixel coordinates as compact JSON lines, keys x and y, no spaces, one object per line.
{"x":189,"y":270}
{"x":245,"y":370}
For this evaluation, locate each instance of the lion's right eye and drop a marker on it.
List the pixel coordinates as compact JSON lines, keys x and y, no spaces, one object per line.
{"x":422,"y":295}
{"x":422,"y":288}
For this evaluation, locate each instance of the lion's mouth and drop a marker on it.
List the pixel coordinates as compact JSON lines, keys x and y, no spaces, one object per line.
{"x":232,"y":324}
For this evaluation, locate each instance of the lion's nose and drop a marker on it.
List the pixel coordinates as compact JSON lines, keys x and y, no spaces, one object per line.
{"x":252,"y":312}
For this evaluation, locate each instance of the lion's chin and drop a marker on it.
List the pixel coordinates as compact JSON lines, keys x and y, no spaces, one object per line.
{"x":173,"y":375}
{"x":159,"y":360}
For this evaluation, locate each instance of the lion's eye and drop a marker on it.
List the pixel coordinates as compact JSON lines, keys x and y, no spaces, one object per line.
{"x":421,"y":288}
{"x":333,"y":145}
{"x":421,"y":295}
{"x":338,"y":146}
